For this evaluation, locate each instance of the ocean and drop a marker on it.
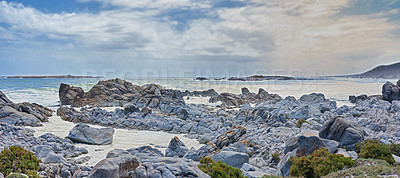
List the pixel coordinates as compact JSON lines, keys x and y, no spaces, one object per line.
{"x":45,"y":91}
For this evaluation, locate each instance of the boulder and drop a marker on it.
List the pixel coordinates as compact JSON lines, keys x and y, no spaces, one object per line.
{"x":115,"y":167}
{"x":391,"y":91}
{"x":231,"y":158}
{"x":231,"y":136}
{"x":176,"y":148}
{"x":355,"y":99}
{"x":69,"y":95}
{"x":283,"y":167}
{"x":306,"y":145}
{"x":72,"y":115}
{"x":85,"y":134}
{"x":339,"y":129}
{"x":22,"y":114}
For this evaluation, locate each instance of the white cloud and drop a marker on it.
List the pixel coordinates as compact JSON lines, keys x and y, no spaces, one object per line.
{"x":276,"y":33}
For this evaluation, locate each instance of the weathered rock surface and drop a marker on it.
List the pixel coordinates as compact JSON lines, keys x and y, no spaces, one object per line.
{"x":231,"y":158}
{"x":117,"y":92}
{"x":229,"y":99}
{"x":85,"y":134}
{"x":176,"y":148}
{"x":71,"y":115}
{"x":22,"y":114}
{"x":340,"y":130}
{"x":306,"y":145}
{"x":114,"y":167}
{"x":391,"y":91}
{"x":69,"y":95}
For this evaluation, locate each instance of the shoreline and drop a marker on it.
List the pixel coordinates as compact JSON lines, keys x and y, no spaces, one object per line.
{"x":48,"y":76}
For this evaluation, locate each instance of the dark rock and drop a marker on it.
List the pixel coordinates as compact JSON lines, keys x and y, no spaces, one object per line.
{"x":306,"y":145}
{"x":86,"y":134}
{"x":69,"y":95}
{"x":130,"y":109}
{"x":355,"y":99}
{"x":183,"y":114}
{"x":115,"y":167}
{"x":340,"y":130}
{"x":231,"y":158}
{"x":176,"y":148}
{"x":22,"y":114}
{"x":72,"y":115}
{"x":390,"y":91}
{"x":231,"y":136}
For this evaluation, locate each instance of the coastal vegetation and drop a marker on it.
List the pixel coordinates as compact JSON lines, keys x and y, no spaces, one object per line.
{"x":16,"y":159}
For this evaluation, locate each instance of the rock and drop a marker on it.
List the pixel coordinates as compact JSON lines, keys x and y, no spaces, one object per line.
{"x":115,"y":167}
{"x":231,"y":158}
{"x":116,"y":153}
{"x":306,"y":145}
{"x":340,"y":130}
{"x":71,"y":115}
{"x":351,"y":154}
{"x":130,"y":109}
{"x":86,"y":134}
{"x":396,"y":158}
{"x":83,"y":159}
{"x":230,"y":99}
{"x":229,"y":137}
{"x":52,"y":158}
{"x":205,"y":93}
{"x":183,"y":114}
{"x":247,"y":167}
{"x":283,"y":168}
{"x":176,"y":148}
{"x":168,"y":167}
{"x":355,"y":99}
{"x":391,"y":91}
{"x":22,"y":114}
{"x":69,"y":95}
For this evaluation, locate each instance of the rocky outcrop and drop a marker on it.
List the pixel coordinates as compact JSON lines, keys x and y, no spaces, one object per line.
{"x":114,"y":167}
{"x":340,"y":130}
{"x":72,"y":115}
{"x":69,"y":95}
{"x":391,"y":91}
{"x":231,"y":158}
{"x":204,"y":93}
{"x":229,"y":99}
{"x":117,"y":92}
{"x":85,"y":134}
{"x":22,"y":114}
{"x":302,"y":146}
{"x":176,"y":148}
{"x":231,"y":136}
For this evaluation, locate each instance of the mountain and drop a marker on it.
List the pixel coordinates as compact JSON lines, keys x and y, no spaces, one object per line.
{"x":391,"y":71}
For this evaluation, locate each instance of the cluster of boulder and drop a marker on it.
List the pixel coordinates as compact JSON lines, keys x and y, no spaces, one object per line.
{"x":246,"y":137}
{"x":22,"y":114}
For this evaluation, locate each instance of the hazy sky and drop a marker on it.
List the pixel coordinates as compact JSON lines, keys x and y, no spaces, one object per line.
{"x":197,"y":37}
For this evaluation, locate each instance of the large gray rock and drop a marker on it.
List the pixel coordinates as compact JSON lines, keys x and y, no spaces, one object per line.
{"x":283,"y":167}
{"x":69,"y":95}
{"x":391,"y":91}
{"x":340,"y":130}
{"x":72,"y":115}
{"x":115,"y":167}
{"x":231,"y":158}
{"x":306,"y":145}
{"x":22,"y":114}
{"x":90,"y":135}
{"x":176,"y":148}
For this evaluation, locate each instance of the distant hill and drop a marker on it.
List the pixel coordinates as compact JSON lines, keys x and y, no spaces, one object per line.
{"x":391,"y":71}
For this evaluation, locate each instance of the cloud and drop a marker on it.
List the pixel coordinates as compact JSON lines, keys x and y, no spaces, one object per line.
{"x":267,"y":34}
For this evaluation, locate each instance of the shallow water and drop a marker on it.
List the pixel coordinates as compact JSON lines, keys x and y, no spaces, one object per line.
{"x":123,"y":139}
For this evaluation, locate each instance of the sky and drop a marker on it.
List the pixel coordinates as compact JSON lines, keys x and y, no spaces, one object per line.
{"x":186,"y":38}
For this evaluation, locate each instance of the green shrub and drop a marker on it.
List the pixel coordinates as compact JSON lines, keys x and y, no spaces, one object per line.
{"x":375,"y":150}
{"x":320,"y":163}
{"x":395,"y":149}
{"x":219,"y":169}
{"x":18,"y":160}
{"x":275,"y":157}
{"x":300,"y":122}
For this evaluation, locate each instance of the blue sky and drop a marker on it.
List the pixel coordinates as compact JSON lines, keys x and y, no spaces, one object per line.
{"x":185,"y":38}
